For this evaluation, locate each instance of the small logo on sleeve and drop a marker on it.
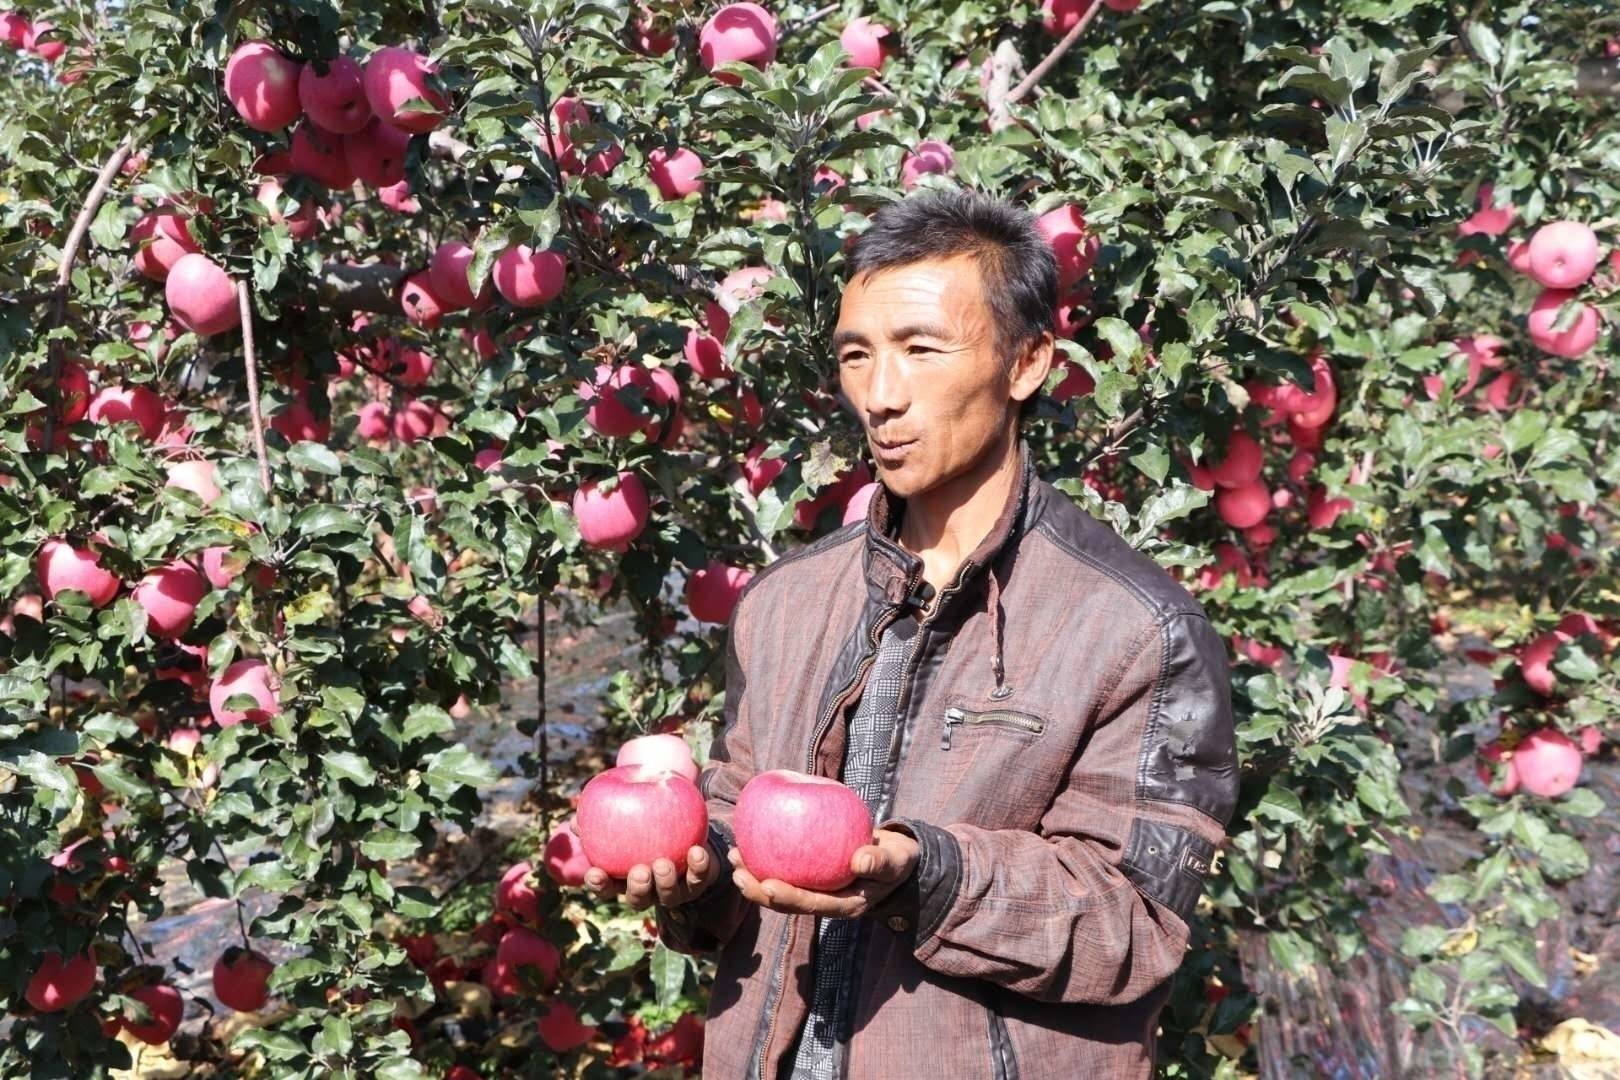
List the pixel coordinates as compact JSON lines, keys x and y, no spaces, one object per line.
{"x":1195,"y":863}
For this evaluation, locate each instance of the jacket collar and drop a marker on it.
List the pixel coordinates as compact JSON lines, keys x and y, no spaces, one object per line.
{"x":890,"y":567}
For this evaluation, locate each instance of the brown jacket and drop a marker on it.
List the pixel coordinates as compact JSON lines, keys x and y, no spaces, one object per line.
{"x":1067,"y":763}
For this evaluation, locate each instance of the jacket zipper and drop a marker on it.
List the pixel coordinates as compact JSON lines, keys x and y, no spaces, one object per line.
{"x":878,"y":626}
{"x":1001,"y":1067}
{"x":994,"y":717}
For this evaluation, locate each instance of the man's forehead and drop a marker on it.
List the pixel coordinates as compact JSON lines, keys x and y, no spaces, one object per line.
{"x":933,"y":290}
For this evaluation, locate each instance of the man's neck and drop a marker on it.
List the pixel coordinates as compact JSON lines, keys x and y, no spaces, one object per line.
{"x":944,"y":526}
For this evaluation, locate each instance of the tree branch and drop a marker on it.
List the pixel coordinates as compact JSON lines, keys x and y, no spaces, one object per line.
{"x":1003,"y":62}
{"x":244,"y":300}
{"x":372,"y":287}
{"x":1022,"y":90}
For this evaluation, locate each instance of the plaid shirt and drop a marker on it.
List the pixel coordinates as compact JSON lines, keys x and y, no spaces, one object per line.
{"x":825,"y":1035}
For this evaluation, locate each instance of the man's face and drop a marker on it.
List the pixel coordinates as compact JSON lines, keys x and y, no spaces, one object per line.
{"x":916,"y":351}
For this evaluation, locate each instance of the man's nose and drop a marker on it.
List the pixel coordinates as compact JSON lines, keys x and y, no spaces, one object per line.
{"x":888,"y":391}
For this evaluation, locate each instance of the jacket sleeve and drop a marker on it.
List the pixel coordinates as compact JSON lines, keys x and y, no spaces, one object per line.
{"x":1092,"y":906}
{"x":708,"y":922}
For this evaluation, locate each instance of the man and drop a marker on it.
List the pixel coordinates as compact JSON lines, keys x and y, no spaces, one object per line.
{"x":1038,"y":716}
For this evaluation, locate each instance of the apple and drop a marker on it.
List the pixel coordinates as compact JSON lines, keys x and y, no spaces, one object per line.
{"x":529,"y":278}
{"x":605,"y":410}
{"x":447,"y":273}
{"x":202,"y":296}
{"x":421,"y":304}
{"x":373,"y":424}
{"x":837,"y":493}
{"x":675,"y":175}
{"x":59,"y":984}
{"x":1076,"y":251}
{"x":681,"y":1045}
{"x":320,"y":155}
{"x":1312,"y":408}
{"x":611,"y":519}
{"x":166,"y":1007}
{"x":14,"y":29}
{"x":250,"y":678}
{"x":629,"y":816}
{"x":565,"y":858}
{"x":856,"y":508}
{"x":302,"y":223}
{"x":866,"y":42}
{"x":161,"y":238}
{"x":1548,"y":763}
{"x":139,"y":405}
{"x":737,"y":33}
{"x":60,"y":566}
{"x":1563,"y":254}
{"x":170,"y":595}
{"x":393,"y":78}
{"x":515,"y":894}
{"x":928,"y":156}
{"x":1059,"y":16}
{"x":415,"y":420}
{"x":1242,"y":507}
{"x":415,"y":367}
{"x":1122,"y":6}
{"x":712,"y":591}
{"x":1489,"y":219}
{"x":800,"y":829}
{"x":1569,"y":343}
{"x":758,"y":472}
{"x":665,"y":396}
{"x":1495,"y":756}
{"x":658,"y":753}
{"x":706,"y":354}
{"x":262,"y":85}
{"x":523,"y":958}
{"x":1241,"y":465}
{"x":1536,"y":659}
{"x":376,"y":153}
{"x":241,"y":979}
{"x":560,"y":1028}
{"x":333,"y":93}
{"x":398,"y":197}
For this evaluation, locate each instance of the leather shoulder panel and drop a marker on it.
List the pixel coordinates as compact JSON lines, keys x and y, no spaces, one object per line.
{"x":1189,"y":747}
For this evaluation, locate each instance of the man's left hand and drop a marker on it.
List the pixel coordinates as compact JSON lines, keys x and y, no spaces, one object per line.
{"x":879,"y":868}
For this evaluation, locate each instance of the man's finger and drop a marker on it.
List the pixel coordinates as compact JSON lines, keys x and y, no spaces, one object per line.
{"x":598,"y":881}
{"x":697,"y":867}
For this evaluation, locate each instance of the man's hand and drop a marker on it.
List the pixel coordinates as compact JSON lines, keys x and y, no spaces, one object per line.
{"x":660,"y":882}
{"x":880,"y":867}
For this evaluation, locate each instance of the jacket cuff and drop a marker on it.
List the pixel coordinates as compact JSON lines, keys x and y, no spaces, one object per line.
{"x":930,"y":891}
{"x":686,"y":927}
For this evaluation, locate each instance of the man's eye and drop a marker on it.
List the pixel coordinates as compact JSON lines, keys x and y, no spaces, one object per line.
{"x":923,"y":348}
{"x":849,"y":357}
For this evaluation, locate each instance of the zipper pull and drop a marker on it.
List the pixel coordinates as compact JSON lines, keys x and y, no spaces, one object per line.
{"x":952,"y":718}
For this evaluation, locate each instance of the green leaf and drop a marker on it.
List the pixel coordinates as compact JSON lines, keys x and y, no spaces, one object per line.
{"x":668,"y":970}
{"x":314,"y":457}
{"x":349,"y":765}
{"x":389,"y":844}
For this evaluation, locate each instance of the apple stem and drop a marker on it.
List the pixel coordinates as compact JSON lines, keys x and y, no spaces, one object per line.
{"x":1022,"y":90}
{"x":244,"y":299}
{"x":64,"y":272}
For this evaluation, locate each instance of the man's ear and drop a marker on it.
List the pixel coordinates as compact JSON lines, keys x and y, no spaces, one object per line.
{"x":1030,"y":369}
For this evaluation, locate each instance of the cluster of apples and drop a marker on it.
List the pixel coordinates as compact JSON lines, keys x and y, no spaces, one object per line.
{"x":1059,"y":16}
{"x":241,"y":978}
{"x":17,"y":31}
{"x":1561,"y":257}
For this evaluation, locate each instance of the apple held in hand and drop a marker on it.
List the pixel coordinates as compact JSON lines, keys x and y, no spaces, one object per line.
{"x":629,"y":816}
{"x":659,"y":753}
{"x":800,"y":829}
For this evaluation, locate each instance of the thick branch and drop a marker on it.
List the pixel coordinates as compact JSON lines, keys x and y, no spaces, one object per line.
{"x":1022,"y":90}
{"x":372,"y":287}
{"x":1003,"y":62}
{"x":1598,"y":76}
{"x":244,"y":301}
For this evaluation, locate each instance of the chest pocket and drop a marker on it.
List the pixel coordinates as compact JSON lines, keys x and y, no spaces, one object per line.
{"x":961,"y":719}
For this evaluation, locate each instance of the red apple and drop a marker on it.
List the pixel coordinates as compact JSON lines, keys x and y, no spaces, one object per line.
{"x":166,"y":1007}
{"x":250,"y":678}
{"x":515,"y":894}
{"x":867,"y":43}
{"x":398,"y":197}
{"x":161,"y":238}
{"x":1496,"y":757}
{"x":373,"y":424}
{"x":1548,"y":763}
{"x":712,"y":591}
{"x":376,"y":153}
{"x":415,"y":367}
{"x":320,"y":155}
{"x":14,"y":28}
{"x":336,"y":100}
{"x":856,"y":508}
{"x":758,"y":472}
{"x":1059,"y":16}
{"x":1563,"y":254}
{"x":611,"y":519}
{"x":1569,"y":343}
{"x":1536,"y":659}
{"x":301,"y":222}
{"x":800,"y":829}
{"x":1241,"y":465}
{"x":139,"y":405}
{"x":928,"y":156}
{"x":241,"y":979}
{"x":529,"y":278}
{"x":60,"y":567}
{"x":202,"y":296}
{"x":605,"y":410}
{"x":523,"y":958}
{"x":393,"y":78}
{"x":565,"y":858}
{"x":297,"y":422}
{"x":1489,"y":219}
{"x":629,"y":816}
{"x":561,"y":1030}
{"x":262,"y":84}
{"x":448,"y":276}
{"x":836,"y":494}
{"x":1076,"y":251}
{"x":170,"y":595}
{"x":737,"y":33}
{"x":658,"y":753}
{"x":57,"y":985}
{"x":421,"y":304}
{"x":1243,"y":507}
{"x":415,"y":420}
{"x":675,"y":175}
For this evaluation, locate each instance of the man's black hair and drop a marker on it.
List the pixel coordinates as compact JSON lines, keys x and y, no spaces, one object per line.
{"x":1016,"y":263}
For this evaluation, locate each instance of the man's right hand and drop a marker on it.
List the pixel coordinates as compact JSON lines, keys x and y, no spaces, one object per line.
{"x":659,"y":883}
